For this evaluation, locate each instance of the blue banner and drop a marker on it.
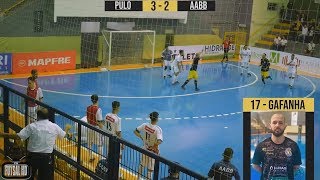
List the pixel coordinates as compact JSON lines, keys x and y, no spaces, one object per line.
{"x":5,"y":63}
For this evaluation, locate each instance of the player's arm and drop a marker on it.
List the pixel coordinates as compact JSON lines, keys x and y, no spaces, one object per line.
{"x":236,"y":174}
{"x":297,"y":159}
{"x":9,"y":135}
{"x":100,"y":120}
{"x":257,"y":159}
{"x":137,"y":131}
{"x":211,"y":171}
{"x":40,"y":94}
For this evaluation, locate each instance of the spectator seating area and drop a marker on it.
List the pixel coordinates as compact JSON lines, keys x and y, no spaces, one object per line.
{"x":295,"y":33}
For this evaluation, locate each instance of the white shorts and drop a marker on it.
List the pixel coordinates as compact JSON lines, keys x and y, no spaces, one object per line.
{"x":166,"y":63}
{"x":94,"y":137}
{"x":148,"y":162}
{"x":291,"y":71}
{"x":244,"y":64}
{"x":32,"y":114}
{"x":175,"y":69}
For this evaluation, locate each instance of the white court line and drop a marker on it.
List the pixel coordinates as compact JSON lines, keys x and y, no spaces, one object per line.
{"x":313,"y":86}
{"x":149,"y":97}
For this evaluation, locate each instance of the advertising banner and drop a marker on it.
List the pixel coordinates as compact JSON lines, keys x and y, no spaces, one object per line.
{"x":23,"y":63}
{"x":5,"y":63}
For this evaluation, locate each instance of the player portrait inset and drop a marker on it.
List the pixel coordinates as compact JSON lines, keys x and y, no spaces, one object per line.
{"x":278,"y":145}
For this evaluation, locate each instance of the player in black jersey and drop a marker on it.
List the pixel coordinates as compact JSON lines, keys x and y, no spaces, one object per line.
{"x":277,"y":157}
{"x":224,"y":170}
{"x":265,"y":64}
{"x":193,"y":73}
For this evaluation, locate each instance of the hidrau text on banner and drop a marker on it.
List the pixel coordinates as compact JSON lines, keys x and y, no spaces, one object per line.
{"x":278,"y":104}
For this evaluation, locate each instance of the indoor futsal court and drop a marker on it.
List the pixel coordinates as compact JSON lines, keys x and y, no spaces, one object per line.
{"x":197,"y":126}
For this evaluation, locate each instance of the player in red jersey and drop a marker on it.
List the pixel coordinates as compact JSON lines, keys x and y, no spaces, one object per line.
{"x":34,"y":74}
{"x":226,"y":44}
{"x":34,"y":92}
{"x":94,"y":117}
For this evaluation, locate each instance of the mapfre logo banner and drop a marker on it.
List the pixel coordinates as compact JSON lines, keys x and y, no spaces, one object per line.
{"x":23,"y":63}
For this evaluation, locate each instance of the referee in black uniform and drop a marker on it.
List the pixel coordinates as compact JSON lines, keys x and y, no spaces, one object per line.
{"x":42,"y":135}
{"x":224,"y":170}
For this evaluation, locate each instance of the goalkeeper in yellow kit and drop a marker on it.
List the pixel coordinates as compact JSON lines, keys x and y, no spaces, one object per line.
{"x":265,"y":65}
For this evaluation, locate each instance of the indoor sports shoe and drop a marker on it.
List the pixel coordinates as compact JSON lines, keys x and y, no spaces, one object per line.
{"x":197,"y":89}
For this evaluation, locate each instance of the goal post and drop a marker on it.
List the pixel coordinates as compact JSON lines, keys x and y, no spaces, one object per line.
{"x":135,"y":48}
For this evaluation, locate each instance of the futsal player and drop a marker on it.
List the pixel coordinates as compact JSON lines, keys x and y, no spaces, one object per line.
{"x":193,"y":74}
{"x":94,"y":117}
{"x":245,"y":55}
{"x":34,"y":92}
{"x":277,"y":157}
{"x":292,"y":69}
{"x":151,"y":135}
{"x":34,"y":74}
{"x":167,"y":57}
{"x":265,"y":65}
{"x":176,"y":65}
{"x":226,"y":45}
{"x":113,"y":122}
{"x":224,"y":169}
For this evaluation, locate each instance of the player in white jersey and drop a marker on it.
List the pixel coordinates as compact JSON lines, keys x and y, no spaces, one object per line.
{"x":113,"y":122}
{"x":167,"y":57}
{"x":151,"y":135}
{"x":176,"y":65}
{"x":292,"y":69}
{"x":245,"y":55}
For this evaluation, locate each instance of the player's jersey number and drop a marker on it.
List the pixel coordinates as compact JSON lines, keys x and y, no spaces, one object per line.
{"x":109,"y":127}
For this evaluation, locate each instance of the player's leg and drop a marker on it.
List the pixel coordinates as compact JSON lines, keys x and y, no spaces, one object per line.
{"x":268,"y":75}
{"x":292,"y":77}
{"x":100,"y":140}
{"x":143,"y":163}
{"x":164,"y":70}
{"x":242,"y":66}
{"x":150,"y":166}
{"x":195,"y":77}
{"x":262,"y":77}
{"x":168,"y":69}
{"x":90,"y":144}
{"x":32,"y":114}
{"x":248,"y":69}
{"x":187,"y":81}
{"x":175,"y":75}
{"x":226,"y":54}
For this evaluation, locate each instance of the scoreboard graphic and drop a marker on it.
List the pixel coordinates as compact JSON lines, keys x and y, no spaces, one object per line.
{"x":159,"y":6}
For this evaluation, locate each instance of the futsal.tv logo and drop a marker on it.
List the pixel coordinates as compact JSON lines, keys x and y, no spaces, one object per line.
{"x":16,"y":170}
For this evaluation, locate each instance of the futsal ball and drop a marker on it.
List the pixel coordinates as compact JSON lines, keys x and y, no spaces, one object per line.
{"x":103,"y":69}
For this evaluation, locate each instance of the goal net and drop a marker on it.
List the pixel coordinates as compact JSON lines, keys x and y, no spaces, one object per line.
{"x":134,"y":48}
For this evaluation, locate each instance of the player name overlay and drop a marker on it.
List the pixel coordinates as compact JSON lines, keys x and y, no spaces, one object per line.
{"x":159,"y":5}
{"x":278,"y":104}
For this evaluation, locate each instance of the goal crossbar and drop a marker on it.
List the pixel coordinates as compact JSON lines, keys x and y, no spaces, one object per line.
{"x":107,"y":36}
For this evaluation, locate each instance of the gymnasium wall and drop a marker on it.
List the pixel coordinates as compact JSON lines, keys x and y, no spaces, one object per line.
{"x":38,"y":44}
{"x":263,"y":20}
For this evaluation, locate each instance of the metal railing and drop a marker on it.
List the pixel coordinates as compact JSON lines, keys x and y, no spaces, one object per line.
{"x":72,"y":155}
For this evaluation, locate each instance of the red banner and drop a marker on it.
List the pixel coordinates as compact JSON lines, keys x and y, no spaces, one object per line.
{"x":23,"y":63}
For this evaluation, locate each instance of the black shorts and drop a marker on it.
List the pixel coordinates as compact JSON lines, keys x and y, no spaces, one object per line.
{"x":226,"y":50}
